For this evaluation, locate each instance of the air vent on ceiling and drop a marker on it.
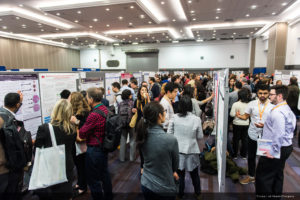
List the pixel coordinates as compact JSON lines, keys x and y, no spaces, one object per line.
{"x":112,"y":63}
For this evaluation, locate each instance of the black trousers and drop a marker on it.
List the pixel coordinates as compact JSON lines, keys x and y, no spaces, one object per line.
{"x":252,"y":148}
{"x":10,"y":186}
{"x":195,"y":179}
{"x":269,"y":173}
{"x":80,"y":165}
{"x":240,"y":133}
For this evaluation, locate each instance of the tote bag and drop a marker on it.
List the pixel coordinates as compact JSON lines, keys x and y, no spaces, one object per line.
{"x":49,"y":165}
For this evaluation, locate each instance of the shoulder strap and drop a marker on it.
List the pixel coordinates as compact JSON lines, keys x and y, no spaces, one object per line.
{"x":101,"y":113}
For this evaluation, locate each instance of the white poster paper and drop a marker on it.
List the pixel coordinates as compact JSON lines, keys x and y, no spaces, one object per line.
{"x":139,"y":77}
{"x":31,"y":108}
{"x":87,"y":83}
{"x":51,"y":86}
{"x":110,"y":78}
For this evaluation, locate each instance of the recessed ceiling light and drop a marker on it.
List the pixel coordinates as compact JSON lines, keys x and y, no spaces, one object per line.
{"x":273,"y":13}
{"x":251,"y":32}
{"x":17,"y":18}
{"x":42,"y":30}
{"x":149,"y":22}
{"x":123,"y":39}
{"x":218,"y":9}
{"x":284,"y":4}
{"x":58,"y":14}
{"x":135,"y":43}
{"x":217,"y":17}
{"x":76,"y":21}
{"x":4,"y":27}
{"x":215,"y":31}
{"x":23,"y":24}
{"x":57,"y":29}
{"x":21,"y":5}
{"x":192,"y":11}
{"x":163,"y":34}
{"x":107,"y":9}
{"x":253,"y":7}
{"x":248,"y":35}
{"x":120,"y":18}
{"x":199,"y":40}
{"x":180,"y":31}
{"x":247,"y":15}
{"x":132,"y":7}
{"x":174,"y":20}
{"x":136,"y":38}
{"x":167,"y":36}
{"x":213,"y":37}
{"x":190,"y":1}
{"x":162,"y":3}
{"x":198,"y":35}
{"x":130,"y":35}
{"x":153,"y":38}
{"x":86,"y":41}
{"x":214,"y":34}
{"x":234,"y":33}
{"x":79,"y":12}
{"x":194,"y":19}
{"x":95,"y":20}
{"x":142,"y":16}
{"x":130,"y":24}
{"x":116,"y":36}
{"x":107,"y":25}
{"x":39,"y":24}
{"x":91,"y":26}
{"x":256,"y":29}
{"x":45,"y":14}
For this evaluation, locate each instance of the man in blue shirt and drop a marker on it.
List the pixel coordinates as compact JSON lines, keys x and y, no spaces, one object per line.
{"x":126,"y":87}
{"x":279,"y":128}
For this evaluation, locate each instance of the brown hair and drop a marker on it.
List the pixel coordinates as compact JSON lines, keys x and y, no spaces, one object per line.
{"x":79,"y":103}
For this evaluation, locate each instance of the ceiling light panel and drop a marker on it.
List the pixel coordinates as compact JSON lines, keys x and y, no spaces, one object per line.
{"x":118,"y":16}
{"x":24,"y":26}
{"x":144,"y":38}
{"x":75,"y":35}
{"x":153,"y":9}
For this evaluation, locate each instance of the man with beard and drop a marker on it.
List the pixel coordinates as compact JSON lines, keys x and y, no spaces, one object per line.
{"x":278,"y":127}
{"x":258,"y":110}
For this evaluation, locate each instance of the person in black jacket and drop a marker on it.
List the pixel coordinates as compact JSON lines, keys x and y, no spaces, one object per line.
{"x":64,"y":132}
{"x":154,"y":87}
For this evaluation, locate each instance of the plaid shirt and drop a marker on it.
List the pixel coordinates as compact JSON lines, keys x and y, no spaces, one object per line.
{"x":94,"y":125}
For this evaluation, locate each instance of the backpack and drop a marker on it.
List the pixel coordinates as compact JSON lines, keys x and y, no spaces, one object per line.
{"x":12,"y":144}
{"x":113,"y":131}
{"x":125,"y":113}
{"x":27,"y":141}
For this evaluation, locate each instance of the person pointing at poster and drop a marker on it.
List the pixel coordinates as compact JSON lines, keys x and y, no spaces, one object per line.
{"x":279,"y":129}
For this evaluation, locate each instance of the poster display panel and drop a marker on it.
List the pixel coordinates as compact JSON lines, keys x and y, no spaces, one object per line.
{"x":109,"y":79}
{"x":86,"y":83}
{"x":30,"y":111}
{"x":126,"y":76}
{"x":139,"y":77}
{"x":51,"y":85}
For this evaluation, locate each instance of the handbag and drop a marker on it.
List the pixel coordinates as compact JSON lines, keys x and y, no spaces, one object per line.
{"x":134,"y":117}
{"x":49,"y":165}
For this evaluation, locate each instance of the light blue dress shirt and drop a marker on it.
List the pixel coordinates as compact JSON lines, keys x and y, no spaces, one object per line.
{"x":279,"y":127}
{"x":125,"y":87}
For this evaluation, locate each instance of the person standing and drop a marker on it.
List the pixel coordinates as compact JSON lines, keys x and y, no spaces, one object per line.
{"x":279,"y":128}
{"x":126,"y":87}
{"x":258,"y":111}
{"x":93,"y":131}
{"x":240,"y":126}
{"x":117,"y":98}
{"x":160,"y":164}
{"x":186,"y":127}
{"x":154,"y":87}
{"x":9,"y":179}
{"x":171,"y":90}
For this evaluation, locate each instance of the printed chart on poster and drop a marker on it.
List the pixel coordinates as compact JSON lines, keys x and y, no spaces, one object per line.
{"x":87,"y":83}
{"x":109,"y":79}
{"x":51,"y":85}
{"x":30,"y":111}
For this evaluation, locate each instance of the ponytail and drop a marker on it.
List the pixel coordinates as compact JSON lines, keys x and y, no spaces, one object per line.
{"x":151,"y":113}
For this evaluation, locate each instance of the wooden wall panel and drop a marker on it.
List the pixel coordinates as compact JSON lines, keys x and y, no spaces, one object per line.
{"x":17,"y":54}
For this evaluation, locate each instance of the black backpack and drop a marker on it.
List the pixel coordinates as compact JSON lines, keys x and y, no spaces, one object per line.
{"x":125,"y":113}
{"x":27,"y":141}
{"x":12,"y":144}
{"x":113,"y":131}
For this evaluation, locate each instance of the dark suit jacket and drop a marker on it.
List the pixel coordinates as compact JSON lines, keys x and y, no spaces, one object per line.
{"x":43,"y":139}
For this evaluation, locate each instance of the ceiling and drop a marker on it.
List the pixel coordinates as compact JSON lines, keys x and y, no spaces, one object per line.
{"x":101,"y":22}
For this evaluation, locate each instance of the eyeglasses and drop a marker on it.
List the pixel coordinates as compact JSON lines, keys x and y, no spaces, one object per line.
{"x":272,"y":94}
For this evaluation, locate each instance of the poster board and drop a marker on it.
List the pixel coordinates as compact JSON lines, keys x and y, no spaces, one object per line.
{"x":221,"y":117}
{"x":51,"y":85}
{"x":147,"y":75}
{"x":30,"y":111}
{"x":109,"y":79}
{"x":139,"y":77}
{"x":126,"y":76}
{"x":86,"y":83}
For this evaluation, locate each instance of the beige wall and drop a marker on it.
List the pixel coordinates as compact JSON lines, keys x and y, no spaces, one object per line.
{"x":17,"y":54}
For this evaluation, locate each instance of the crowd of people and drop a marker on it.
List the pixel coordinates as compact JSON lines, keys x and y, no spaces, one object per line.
{"x":163,"y":121}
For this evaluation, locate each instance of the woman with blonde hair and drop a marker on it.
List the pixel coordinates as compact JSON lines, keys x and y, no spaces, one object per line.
{"x":81,"y":111}
{"x":64,"y":132}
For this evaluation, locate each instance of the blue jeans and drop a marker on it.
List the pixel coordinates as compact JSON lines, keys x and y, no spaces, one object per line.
{"x":97,"y":173}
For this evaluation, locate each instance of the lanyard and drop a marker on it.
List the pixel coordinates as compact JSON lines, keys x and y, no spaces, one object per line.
{"x":279,"y":105}
{"x":261,"y":112}
{"x":98,"y":106}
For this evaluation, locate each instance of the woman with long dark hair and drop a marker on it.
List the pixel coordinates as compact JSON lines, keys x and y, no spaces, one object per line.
{"x":186,"y":127}
{"x":160,"y":151}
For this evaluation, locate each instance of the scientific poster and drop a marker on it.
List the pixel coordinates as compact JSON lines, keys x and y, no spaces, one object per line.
{"x":126,"y":76}
{"x":51,"y":85}
{"x":30,"y":111}
{"x":87,"y":83}
{"x":139,"y":77}
{"x":147,"y":75}
{"x":109,"y":79}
